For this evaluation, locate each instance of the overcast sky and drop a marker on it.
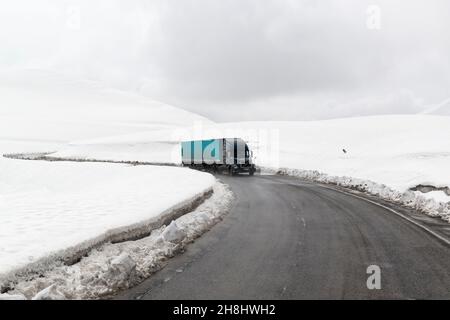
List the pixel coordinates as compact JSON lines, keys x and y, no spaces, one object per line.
{"x":244,"y":59}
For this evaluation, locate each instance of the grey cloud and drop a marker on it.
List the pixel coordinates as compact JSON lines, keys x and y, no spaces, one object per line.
{"x":245,"y":59}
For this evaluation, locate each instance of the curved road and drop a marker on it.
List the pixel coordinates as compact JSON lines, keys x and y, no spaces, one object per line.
{"x":288,"y":239}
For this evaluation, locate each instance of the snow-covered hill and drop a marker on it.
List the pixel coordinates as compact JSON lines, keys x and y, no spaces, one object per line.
{"x":47,"y":208}
{"x":39,"y":106}
{"x":400,"y":151}
{"x":442,"y":108}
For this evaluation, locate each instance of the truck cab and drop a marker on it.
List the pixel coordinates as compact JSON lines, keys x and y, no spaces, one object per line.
{"x":239,"y":156}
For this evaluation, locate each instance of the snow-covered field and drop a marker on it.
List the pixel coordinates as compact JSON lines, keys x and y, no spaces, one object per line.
{"x":50,"y":210}
{"x":113,"y":267}
{"x":399,"y":151}
{"x":161,"y":146}
{"x":383,"y":155}
{"x":391,"y":153}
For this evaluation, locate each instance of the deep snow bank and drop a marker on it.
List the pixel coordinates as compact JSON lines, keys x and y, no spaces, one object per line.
{"x":430,"y":204}
{"x":114,"y":267}
{"x":51,"y":210}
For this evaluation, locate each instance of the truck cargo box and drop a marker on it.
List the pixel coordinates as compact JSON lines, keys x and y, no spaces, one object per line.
{"x":232,"y":154}
{"x":202,"y":151}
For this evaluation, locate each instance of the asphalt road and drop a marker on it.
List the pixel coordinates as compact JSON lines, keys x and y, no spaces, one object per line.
{"x":288,"y":239}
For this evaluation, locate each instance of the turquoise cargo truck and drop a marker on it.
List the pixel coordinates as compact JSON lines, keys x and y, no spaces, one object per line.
{"x":226,"y":154}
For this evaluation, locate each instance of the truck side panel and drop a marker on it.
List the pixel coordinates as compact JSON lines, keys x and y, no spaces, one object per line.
{"x":212,"y":151}
{"x":202,"y":152}
{"x":198,"y":151}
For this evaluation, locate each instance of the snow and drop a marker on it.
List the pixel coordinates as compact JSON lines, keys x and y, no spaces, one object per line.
{"x":399,"y":151}
{"x":38,"y":105}
{"x":83,"y":119}
{"x":50,"y":293}
{"x":415,"y":200}
{"x":156,"y":146}
{"x":50,"y":211}
{"x":6,"y":296}
{"x":173,"y":233}
{"x":391,"y":153}
{"x":441,"y":108}
{"x":161,"y":152}
{"x":113,"y":267}
{"x":47,"y":207}
{"x":385,"y":155}
{"x":439,"y":196}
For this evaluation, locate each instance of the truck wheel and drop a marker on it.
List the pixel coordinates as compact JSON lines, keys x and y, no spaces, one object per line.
{"x":251,"y":172}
